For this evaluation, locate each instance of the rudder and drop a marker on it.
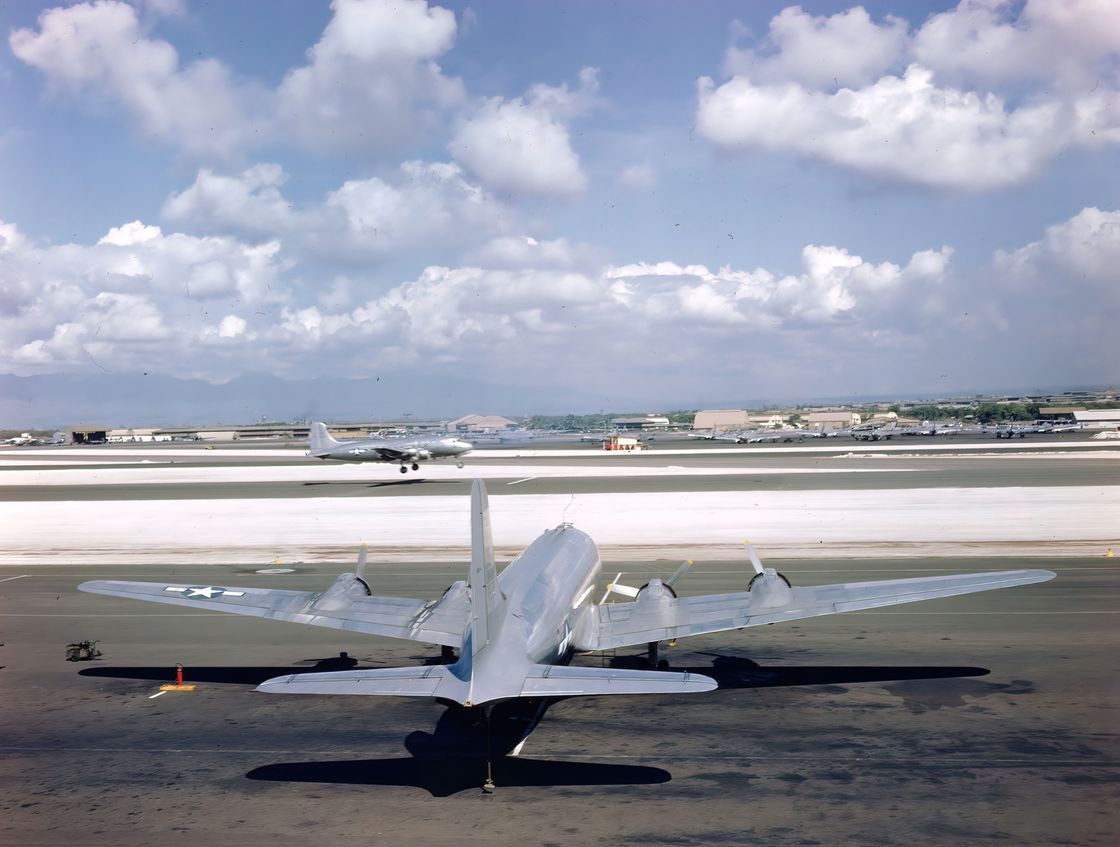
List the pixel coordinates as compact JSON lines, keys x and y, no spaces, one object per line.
{"x":485,"y":596}
{"x":321,"y":440}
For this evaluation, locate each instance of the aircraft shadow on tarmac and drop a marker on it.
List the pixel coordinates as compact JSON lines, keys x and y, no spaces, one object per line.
{"x":392,"y":482}
{"x":730,"y":672}
{"x":453,"y":758}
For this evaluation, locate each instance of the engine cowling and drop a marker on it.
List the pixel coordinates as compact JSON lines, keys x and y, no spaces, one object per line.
{"x":343,"y":591}
{"x":770,"y":590}
{"x":655,"y":591}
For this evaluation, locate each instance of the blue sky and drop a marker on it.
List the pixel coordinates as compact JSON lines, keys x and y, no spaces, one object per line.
{"x":661,"y":201}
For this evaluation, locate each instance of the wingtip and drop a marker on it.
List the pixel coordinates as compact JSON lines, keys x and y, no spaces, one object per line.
{"x":703,"y":683}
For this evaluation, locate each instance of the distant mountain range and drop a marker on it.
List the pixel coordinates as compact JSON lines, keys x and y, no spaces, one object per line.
{"x":118,"y":400}
{"x":55,"y":401}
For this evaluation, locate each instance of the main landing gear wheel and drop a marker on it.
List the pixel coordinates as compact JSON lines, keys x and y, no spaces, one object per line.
{"x":415,"y":466}
{"x":459,"y":465}
{"x":404,"y":469}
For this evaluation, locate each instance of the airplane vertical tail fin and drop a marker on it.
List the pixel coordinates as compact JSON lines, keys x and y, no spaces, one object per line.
{"x":485,"y":596}
{"x":321,"y":439}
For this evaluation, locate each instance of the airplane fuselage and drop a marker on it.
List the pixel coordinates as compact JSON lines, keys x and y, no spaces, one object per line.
{"x":546,"y":608}
{"x":371,"y":450}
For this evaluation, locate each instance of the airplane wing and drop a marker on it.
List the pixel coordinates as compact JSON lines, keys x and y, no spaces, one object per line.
{"x":666,"y":618}
{"x":346,"y":605}
{"x":395,"y":454}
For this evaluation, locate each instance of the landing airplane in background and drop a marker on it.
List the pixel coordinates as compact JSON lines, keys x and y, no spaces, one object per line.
{"x":517,"y":631}
{"x":409,"y":452}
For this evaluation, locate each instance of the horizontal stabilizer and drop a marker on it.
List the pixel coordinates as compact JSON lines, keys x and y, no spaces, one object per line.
{"x":440,"y":681}
{"x":564,"y":681}
{"x":431,"y":681}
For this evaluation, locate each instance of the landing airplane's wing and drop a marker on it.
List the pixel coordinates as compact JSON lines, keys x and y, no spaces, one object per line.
{"x":345,"y":605}
{"x":665,"y":618}
{"x":395,"y":454}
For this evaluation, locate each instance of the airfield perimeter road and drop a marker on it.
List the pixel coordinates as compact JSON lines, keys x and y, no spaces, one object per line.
{"x":983,"y":719}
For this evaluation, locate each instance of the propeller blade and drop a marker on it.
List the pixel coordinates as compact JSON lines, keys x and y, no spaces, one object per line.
{"x":360,"y":569}
{"x":610,"y":585}
{"x":618,"y":588}
{"x":679,"y":572}
{"x":755,"y":561}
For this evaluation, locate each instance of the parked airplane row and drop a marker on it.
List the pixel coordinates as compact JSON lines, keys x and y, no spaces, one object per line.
{"x":884,"y":432}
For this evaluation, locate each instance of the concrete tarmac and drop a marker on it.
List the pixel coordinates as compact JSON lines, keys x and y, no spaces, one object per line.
{"x":982,"y":719}
{"x":985,"y":719}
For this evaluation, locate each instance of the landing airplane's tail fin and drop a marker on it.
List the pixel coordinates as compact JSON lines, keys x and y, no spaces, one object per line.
{"x":485,"y":596}
{"x":321,"y":440}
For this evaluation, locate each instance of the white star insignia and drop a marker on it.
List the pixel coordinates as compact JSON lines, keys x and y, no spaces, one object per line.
{"x":207,"y":591}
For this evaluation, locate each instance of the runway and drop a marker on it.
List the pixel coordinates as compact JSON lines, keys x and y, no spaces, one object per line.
{"x":969,"y":720}
{"x":988,"y":718}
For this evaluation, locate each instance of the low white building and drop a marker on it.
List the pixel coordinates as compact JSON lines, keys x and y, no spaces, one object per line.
{"x":1098,"y":418}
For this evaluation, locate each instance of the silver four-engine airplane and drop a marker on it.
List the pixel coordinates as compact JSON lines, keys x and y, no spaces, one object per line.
{"x":517,"y":631}
{"x":408,"y":452}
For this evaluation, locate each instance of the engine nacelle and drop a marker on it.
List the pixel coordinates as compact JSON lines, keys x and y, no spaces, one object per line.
{"x":769,"y":590}
{"x":344,"y":590}
{"x":454,"y":591}
{"x":655,"y":591}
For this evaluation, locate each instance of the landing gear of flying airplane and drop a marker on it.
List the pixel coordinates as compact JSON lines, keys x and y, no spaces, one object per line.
{"x":459,"y":465}
{"x":404,"y":468}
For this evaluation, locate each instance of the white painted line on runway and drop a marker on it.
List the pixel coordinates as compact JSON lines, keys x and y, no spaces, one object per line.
{"x":357,"y":474}
{"x":1032,"y":614}
{"x":10,"y":578}
{"x":519,"y":481}
{"x":171,"y":615}
{"x":516,"y":751}
{"x":157,"y":694}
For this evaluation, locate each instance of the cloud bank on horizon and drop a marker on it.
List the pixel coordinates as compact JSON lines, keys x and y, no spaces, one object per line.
{"x":845,"y":205}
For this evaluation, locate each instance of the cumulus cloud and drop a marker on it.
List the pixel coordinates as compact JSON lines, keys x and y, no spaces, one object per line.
{"x":137,"y":299}
{"x":1083,"y":252}
{"x":846,"y":49}
{"x":944,"y":121}
{"x":523,"y":145}
{"x":904,"y":128}
{"x":424,"y":204}
{"x":544,"y":311}
{"x":372,"y":81}
{"x":1067,"y":43}
{"x":100,"y":50}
